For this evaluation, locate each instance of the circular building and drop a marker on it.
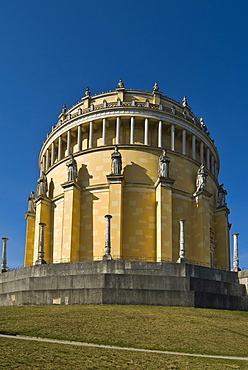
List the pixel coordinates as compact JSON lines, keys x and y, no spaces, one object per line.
{"x":142,"y":158}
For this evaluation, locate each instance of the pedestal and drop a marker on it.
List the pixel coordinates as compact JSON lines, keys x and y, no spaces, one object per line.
{"x":163,"y":188}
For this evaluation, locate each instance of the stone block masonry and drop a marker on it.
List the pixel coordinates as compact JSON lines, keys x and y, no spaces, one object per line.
{"x":123,"y":282}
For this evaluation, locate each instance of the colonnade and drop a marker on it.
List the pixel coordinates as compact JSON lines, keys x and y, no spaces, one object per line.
{"x":71,"y":141}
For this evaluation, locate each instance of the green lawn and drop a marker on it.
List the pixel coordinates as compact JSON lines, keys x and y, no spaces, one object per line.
{"x":162,"y":328}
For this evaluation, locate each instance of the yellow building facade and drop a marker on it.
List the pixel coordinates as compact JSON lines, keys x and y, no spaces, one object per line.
{"x":169,"y":172}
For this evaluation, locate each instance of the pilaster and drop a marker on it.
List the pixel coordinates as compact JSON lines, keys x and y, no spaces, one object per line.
{"x":115,"y":210}
{"x":222,"y":248}
{"x":29,"y":244}
{"x":71,"y":222}
{"x":44,"y":209}
{"x":201,"y":230}
{"x":163,"y":188}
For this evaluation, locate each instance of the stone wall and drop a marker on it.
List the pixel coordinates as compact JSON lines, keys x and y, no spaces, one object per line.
{"x":123,"y":282}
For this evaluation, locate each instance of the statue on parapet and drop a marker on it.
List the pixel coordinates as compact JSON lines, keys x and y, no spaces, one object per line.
{"x":120,"y":84}
{"x":201,"y":183}
{"x":221,"y":196}
{"x":185,"y":101}
{"x":64,"y":109}
{"x":42,"y":185}
{"x":87,"y":91}
{"x":116,"y":162}
{"x":156,"y":87}
{"x":163,"y":166}
{"x":31,"y":203}
{"x":203,"y":126}
{"x":72,"y":172}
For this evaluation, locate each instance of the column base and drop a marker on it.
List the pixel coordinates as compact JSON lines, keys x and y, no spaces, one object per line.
{"x":182,"y":260}
{"x":107,"y":257}
{"x":40,"y":261}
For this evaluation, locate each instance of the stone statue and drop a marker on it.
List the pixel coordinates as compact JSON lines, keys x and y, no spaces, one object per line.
{"x":72,"y":169}
{"x":201,"y":177}
{"x":120,"y":84}
{"x":163,"y":166}
{"x":156,"y":87}
{"x":185,"y":102}
{"x":87,"y":91}
{"x":64,"y":109}
{"x":203,"y":126}
{"x":116,"y":165}
{"x":42,"y":185}
{"x":221,"y":196}
{"x":31,"y":203}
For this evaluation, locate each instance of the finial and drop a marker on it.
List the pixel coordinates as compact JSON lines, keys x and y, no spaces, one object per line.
{"x":87,"y":91}
{"x":120,"y":84}
{"x":156,"y":87}
{"x":184,"y":101}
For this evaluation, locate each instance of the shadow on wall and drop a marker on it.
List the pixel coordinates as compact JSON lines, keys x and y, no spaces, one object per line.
{"x":51,"y":189}
{"x":136,"y":173}
{"x":84,"y":176}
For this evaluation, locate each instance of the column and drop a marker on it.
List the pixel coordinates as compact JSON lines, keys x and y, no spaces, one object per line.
{"x":71,"y":223}
{"x":79,"y":138}
{"x":118,"y":130}
{"x":160,"y":134}
{"x":43,"y":164}
{"x":184,"y":142}
{"x":132,"y":127}
{"x":104,"y":124}
{"x":215,"y":170}
{"x":172,"y":137}
{"x":146,"y":133}
{"x":47,"y":159}
{"x":182,"y":242}
{"x":208,"y":159}
{"x":68,"y":142}
{"x":4,"y":267}
{"x":40,"y":260}
{"x":91,"y":135}
{"x":60,"y":148}
{"x":107,"y":255}
{"x":212,"y":164}
{"x":53,"y":153}
{"x":193,"y":146}
{"x":202,"y":152}
{"x":235,"y":253}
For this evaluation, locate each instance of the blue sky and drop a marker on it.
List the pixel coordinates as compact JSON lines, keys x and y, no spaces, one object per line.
{"x":51,"y":50}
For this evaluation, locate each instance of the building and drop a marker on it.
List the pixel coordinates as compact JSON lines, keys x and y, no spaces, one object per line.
{"x":142,"y":158}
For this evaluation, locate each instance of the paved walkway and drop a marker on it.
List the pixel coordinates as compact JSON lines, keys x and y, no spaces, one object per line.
{"x":46,"y":340}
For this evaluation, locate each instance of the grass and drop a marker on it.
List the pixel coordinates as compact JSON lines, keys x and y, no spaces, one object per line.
{"x":163,"y":328}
